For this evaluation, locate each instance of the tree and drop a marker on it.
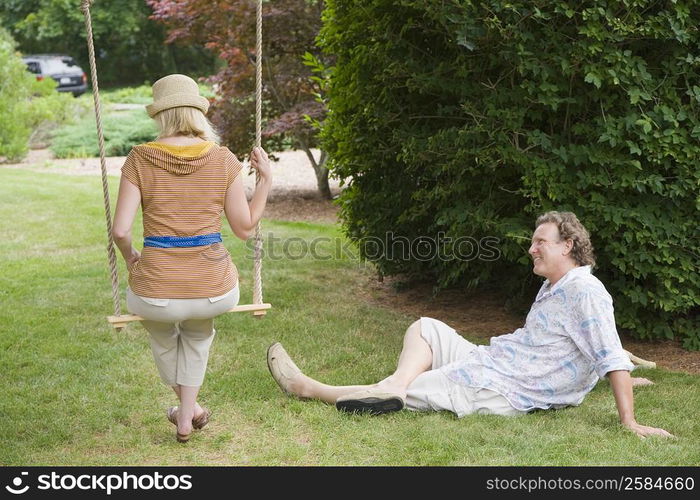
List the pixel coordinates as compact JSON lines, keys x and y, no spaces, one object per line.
{"x":130,"y":46}
{"x":292,"y":107}
{"x":473,"y":117}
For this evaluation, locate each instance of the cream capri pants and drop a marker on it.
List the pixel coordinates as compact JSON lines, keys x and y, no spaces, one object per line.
{"x":434,"y":391}
{"x":181,"y":332}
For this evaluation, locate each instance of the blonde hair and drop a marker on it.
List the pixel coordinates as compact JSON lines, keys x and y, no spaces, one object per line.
{"x":570,"y":228}
{"x":185,"y":120}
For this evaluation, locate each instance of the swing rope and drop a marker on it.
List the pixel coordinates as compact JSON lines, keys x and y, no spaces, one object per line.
{"x":118,"y":320}
{"x":85,"y":6}
{"x":257,"y":259}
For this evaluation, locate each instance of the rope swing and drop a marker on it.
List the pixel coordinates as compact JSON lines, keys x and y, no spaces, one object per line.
{"x":119,"y":320}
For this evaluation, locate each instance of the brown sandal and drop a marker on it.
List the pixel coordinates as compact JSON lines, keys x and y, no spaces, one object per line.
{"x":202,"y":420}
{"x":182,"y":438}
{"x":172,"y":415}
{"x":197,"y":422}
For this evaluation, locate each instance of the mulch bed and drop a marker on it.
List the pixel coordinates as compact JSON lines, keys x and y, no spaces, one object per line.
{"x":298,"y":205}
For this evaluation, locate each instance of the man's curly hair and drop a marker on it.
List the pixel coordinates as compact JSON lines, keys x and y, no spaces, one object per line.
{"x":570,"y":228}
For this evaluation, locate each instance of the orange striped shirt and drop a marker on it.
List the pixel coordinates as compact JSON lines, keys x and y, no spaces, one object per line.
{"x":182,"y":195}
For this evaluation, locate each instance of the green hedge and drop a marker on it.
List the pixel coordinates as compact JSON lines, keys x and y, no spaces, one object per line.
{"x":467,"y":119}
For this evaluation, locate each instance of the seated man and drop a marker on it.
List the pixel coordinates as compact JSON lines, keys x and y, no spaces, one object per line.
{"x":569,"y":340}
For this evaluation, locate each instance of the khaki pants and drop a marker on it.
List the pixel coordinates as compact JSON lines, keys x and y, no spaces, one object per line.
{"x":433,"y":391}
{"x":181,"y":332}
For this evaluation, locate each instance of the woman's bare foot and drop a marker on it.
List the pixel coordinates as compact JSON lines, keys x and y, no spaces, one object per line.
{"x":184,"y":422}
{"x":199,"y":413}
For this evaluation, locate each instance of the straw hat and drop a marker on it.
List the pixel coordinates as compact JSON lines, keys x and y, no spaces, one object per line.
{"x":173,"y":91}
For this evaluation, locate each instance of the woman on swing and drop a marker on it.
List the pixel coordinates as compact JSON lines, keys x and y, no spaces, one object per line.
{"x":184,"y":277}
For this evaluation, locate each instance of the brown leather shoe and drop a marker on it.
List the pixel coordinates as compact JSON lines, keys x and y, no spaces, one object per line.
{"x":281,"y":367}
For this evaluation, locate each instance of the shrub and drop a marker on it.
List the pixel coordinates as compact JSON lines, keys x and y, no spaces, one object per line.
{"x":30,"y":108}
{"x":468,"y":119}
{"x":48,"y":109}
{"x":141,"y":94}
{"x":122,"y":130}
{"x":15,"y":91}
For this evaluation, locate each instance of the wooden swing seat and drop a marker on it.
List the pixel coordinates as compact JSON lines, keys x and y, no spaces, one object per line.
{"x":257,"y":309}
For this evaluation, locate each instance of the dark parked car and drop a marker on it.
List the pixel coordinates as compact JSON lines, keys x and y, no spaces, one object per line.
{"x":69,"y":76}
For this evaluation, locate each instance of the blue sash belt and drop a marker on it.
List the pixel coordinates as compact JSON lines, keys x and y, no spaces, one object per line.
{"x":182,"y":241}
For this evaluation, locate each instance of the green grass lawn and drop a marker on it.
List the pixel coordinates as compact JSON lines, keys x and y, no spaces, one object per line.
{"x":75,"y":392}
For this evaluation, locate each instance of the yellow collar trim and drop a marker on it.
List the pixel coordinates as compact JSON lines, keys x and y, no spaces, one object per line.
{"x":190,"y":151}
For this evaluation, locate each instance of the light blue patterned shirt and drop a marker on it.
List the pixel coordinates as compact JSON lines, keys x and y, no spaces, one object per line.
{"x":569,"y":340}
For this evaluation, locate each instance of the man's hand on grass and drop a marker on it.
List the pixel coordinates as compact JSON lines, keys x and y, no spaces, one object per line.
{"x":643,"y":431}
